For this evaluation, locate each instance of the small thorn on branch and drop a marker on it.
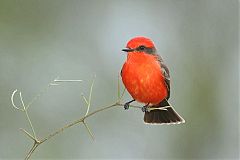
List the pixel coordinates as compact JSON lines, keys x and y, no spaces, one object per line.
{"x":28,"y":134}
{"x":88,"y":129}
{"x":12,"y":100}
{"x":67,"y":80}
{"x":54,"y":84}
{"x":84,"y":98}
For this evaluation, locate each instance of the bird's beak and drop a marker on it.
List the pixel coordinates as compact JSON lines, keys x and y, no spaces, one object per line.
{"x":127,"y":50}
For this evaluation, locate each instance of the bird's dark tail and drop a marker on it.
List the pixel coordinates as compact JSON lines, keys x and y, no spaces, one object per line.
{"x":163,"y":114}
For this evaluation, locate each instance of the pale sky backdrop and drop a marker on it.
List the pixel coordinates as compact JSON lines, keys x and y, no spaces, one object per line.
{"x":76,"y":39}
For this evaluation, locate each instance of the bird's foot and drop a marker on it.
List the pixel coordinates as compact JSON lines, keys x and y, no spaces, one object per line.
{"x":145,"y":108}
{"x":126,"y":105}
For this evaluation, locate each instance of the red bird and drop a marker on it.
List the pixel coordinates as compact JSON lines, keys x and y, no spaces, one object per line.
{"x":147,"y":79}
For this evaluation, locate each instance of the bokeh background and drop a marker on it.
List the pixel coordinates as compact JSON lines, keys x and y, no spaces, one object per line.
{"x":76,"y":39}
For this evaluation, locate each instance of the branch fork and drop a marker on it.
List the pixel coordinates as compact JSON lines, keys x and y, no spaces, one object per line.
{"x":87,"y":100}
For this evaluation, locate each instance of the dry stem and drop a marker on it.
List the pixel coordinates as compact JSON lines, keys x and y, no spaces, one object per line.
{"x":36,"y":141}
{"x":80,"y":120}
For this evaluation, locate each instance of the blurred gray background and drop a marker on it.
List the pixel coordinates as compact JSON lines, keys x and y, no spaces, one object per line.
{"x":74,"y":39}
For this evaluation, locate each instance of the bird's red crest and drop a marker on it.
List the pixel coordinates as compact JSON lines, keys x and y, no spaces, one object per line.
{"x":138,"y":41}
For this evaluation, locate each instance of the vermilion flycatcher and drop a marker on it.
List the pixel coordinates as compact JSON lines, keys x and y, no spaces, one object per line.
{"x":147,"y":79}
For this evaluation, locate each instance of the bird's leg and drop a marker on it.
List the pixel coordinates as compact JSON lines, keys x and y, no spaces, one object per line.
{"x":126,"y":105}
{"x":145,"y":108}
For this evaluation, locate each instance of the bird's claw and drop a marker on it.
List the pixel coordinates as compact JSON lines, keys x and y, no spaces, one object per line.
{"x":126,"y":106}
{"x":145,"y":109}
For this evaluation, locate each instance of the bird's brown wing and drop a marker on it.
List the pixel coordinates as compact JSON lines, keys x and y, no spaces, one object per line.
{"x":165,"y":72}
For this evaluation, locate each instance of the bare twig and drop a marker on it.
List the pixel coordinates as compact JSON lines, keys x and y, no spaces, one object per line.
{"x":21,"y":98}
{"x":80,"y":120}
{"x":29,"y":154}
{"x":76,"y":122}
{"x":26,"y":113}
{"x":69,"y":80}
{"x":90,"y":97}
{"x":30,"y":123}
{"x":25,"y":110}
{"x":88,"y":129}
{"x":28,"y":134}
{"x":124,"y":90}
{"x":36,"y":141}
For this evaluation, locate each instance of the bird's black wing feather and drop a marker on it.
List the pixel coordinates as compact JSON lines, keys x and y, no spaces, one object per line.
{"x":165,"y":72}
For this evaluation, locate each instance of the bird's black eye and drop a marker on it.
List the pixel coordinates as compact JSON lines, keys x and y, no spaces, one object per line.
{"x":141,"y":48}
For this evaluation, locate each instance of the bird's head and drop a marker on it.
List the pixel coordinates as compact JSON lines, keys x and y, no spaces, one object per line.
{"x":141,"y":45}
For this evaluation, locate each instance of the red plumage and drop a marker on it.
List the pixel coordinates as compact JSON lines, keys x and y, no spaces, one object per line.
{"x":147,"y":79}
{"x":142,"y":76}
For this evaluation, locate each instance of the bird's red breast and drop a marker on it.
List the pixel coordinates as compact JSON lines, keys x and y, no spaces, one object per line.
{"x":142,"y":77}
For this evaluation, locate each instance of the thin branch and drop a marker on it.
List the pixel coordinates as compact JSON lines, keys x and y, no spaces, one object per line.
{"x":38,"y":142}
{"x":76,"y":122}
{"x":30,"y":123}
{"x":90,"y":97}
{"x":88,"y":129}
{"x":68,"y":80}
{"x":85,"y":99}
{"x":122,"y":95}
{"x":102,"y":109}
{"x":21,"y":98}
{"x":60,"y":130}
{"x":27,"y":133}
{"x":35,"y":145}
{"x":54,"y":84}
{"x":26,"y":113}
